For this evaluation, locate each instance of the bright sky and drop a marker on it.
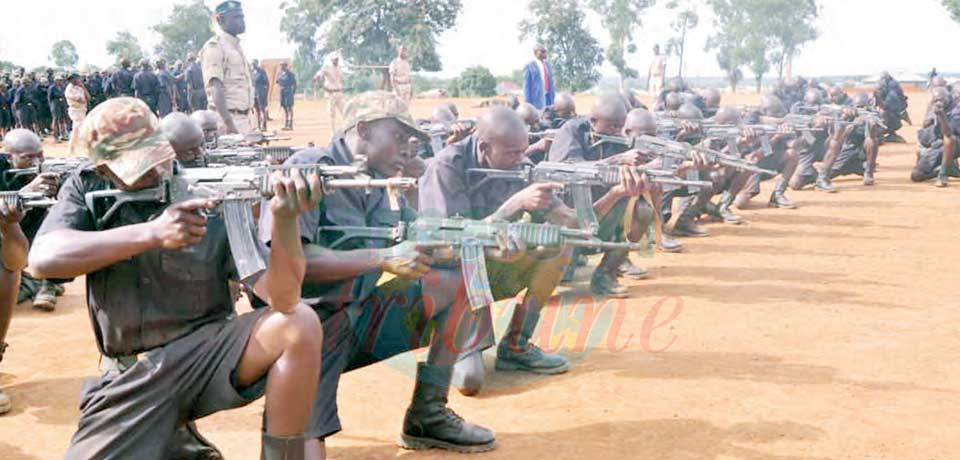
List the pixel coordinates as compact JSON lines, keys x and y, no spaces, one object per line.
{"x":856,"y":35}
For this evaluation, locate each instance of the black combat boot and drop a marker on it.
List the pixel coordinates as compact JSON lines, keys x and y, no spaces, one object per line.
{"x":516,"y":353}
{"x":778,"y":199}
{"x":723,"y":209}
{"x":429,"y":423}
{"x":605,"y":282}
{"x":686,"y":227}
{"x":823,"y":183}
{"x":283,"y":447}
{"x":188,"y":444}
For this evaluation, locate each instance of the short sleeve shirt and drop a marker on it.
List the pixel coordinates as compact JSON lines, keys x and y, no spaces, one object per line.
{"x":155,"y":297}
{"x":343,"y":207}
{"x":332,"y":78}
{"x":400,"y":71}
{"x":448,"y":189}
{"x":222,"y":58}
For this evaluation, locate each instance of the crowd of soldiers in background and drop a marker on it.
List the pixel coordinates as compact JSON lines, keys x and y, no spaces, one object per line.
{"x":38,"y":103}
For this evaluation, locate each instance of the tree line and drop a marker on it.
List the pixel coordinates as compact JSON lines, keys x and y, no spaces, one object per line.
{"x":762,"y":36}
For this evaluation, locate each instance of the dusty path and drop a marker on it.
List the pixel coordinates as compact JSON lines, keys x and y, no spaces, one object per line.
{"x":827,"y":332}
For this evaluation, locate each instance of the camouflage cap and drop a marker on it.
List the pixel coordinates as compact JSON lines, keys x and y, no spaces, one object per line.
{"x":379,"y":105}
{"x":124,"y":135}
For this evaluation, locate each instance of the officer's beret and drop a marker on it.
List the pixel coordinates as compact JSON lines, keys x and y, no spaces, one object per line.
{"x":228,"y":6}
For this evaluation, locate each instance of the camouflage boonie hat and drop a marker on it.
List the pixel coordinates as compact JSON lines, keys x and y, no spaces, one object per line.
{"x":379,"y":105}
{"x":124,"y":135}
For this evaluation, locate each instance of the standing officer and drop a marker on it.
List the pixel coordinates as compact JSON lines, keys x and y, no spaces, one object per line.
{"x":123,"y":80}
{"x":180,"y":78}
{"x":400,"y":75}
{"x":226,"y":72}
{"x":262,"y":86}
{"x":196,"y":94}
{"x":288,"y":87}
{"x":166,"y":89}
{"x":146,"y":86}
{"x":330,"y":77}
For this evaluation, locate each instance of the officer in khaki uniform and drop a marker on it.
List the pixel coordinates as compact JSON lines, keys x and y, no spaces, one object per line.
{"x":226,"y":72}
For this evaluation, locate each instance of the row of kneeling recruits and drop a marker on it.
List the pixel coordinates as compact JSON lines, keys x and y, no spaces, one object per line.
{"x":168,"y":223}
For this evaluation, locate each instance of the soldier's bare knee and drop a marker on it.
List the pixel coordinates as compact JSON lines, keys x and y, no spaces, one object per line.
{"x":302,"y":330}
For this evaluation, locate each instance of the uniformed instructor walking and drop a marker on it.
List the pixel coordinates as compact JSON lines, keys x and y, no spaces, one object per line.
{"x":226,"y":72}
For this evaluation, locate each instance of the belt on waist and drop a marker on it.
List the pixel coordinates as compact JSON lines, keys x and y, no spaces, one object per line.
{"x":333,"y":90}
{"x":241,"y":112}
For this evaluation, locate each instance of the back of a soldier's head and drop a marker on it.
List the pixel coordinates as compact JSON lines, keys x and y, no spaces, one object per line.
{"x":608,"y":114}
{"x":772,"y":106}
{"x":727,"y":116}
{"x":565,"y":106}
{"x":529,"y":114}
{"x":811,"y":97}
{"x":675,"y":85}
{"x":672,"y":101}
{"x":712,"y":97}
{"x":640,"y":122}
{"x":861,"y":100}
{"x":690,"y":112}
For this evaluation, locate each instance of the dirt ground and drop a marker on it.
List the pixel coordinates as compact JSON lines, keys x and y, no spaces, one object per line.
{"x":826,"y":332}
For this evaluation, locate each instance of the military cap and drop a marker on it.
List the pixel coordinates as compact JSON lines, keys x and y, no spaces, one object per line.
{"x":380,"y":105}
{"x":228,"y":6}
{"x":123,"y":135}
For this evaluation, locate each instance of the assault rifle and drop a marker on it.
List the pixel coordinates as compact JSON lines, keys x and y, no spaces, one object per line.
{"x":25,"y":201}
{"x":248,"y":156}
{"x":241,"y":140}
{"x":236,"y":189}
{"x":471,"y":237}
{"x":676,"y":150}
{"x":835,"y":113}
{"x":578,"y":178}
{"x":50,"y":165}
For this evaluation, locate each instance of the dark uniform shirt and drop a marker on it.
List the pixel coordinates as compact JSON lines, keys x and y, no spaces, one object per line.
{"x":931,"y":137}
{"x":158,"y":296}
{"x":261,"y":85}
{"x":344,"y":207}
{"x":573,"y":143}
{"x":446,"y":189}
{"x":165,"y":85}
{"x":195,"y":77}
{"x":55,"y":97}
{"x":122,"y":82}
{"x":146,"y":85}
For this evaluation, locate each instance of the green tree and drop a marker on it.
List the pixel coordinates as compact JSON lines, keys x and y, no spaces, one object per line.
{"x":559,"y":26}
{"x":368,"y":32}
{"x":125,"y":46}
{"x":185,"y":31}
{"x":686,"y":19}
{"x":953,"y":7}
{"x":64,"y":54}
{"x":477,"y":81}
{"x":621,"y":18}
{"x":756,"y":33}
{"x":791,"y":24}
